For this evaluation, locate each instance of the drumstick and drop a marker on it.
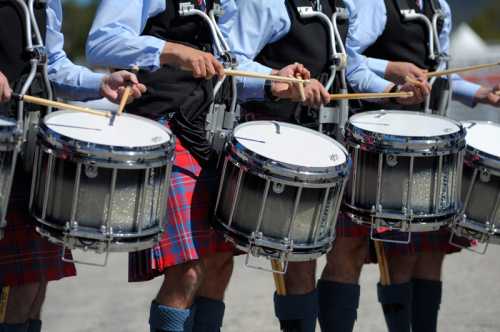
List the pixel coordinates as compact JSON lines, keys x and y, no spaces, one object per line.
{"x":126,"y":93}
{"x":349,"y":96}
{"x":385,"y":277}
{"x":4,"y":299}
{"x":56,"y":104}
{"x":279,"y":280}
{"x":497,"y":93}
{"x":462,"y":70}
{"x":275,"y":78}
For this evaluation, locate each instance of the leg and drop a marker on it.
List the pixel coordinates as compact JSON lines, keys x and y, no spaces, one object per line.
{"x":427,"y":291}
{"x":298,"y":310}
{"x":339,"y":285}
{"x":170,"y":310}
{"x":35,"y":323}
{"x":209,"y":304}
{"x":19,"y":304}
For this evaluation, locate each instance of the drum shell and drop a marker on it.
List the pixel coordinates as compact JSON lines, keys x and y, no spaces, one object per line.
{"x":380,"y":184}
{"x":96,"y":206}
{"x":305,"y":237}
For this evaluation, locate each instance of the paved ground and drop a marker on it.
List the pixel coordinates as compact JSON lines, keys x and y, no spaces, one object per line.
{"x":100,"y":299}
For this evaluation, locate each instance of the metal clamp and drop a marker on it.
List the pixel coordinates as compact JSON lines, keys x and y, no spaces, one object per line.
{"x":38,"y":53}
{"x":66,"y":246}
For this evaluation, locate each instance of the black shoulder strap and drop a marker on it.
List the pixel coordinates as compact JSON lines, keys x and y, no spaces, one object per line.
{"x":403,"y":6}
{"x":198,"y":4}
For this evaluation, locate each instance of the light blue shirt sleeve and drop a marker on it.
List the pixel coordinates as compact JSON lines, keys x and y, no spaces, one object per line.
{"x":255,"y":24}
{"x":69,"y":80}
{"x":115,"y":37}
{"x":463,"y":91}
{"x":359,"y":76}
{"x":372,"y":16}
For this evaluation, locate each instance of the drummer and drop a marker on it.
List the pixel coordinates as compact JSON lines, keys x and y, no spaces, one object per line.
{"x":264,"y":36}
{"x":413,"y":300}
{"x":28,"y":262}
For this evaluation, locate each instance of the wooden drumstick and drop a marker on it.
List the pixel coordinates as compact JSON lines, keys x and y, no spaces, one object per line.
{"x":497,"y":93}
{"x":279,"y":280}
{"x":4,"y":299}
{"x":59,"y":105}
{"x":461,"y":70}
{"x":275,"y":78}
{"x":385,"y":277}
{"x":350,"y":96}
{"x":126,"y":93}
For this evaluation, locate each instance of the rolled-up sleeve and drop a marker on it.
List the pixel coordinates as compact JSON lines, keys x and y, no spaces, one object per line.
{"x":115,"y":37}
{"x":70,"y":81}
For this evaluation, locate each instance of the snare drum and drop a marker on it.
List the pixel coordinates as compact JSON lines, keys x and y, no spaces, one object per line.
{"x":481,"y":184}
{"x":10,"y":142}
{"x":280,"y":190}
{"x":407,"y":170}
{"x":101,"y":187}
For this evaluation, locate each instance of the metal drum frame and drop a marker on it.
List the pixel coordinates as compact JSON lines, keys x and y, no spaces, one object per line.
{"x":275,"y":174}
{"x":388,"y":149}
{"x":483,"y":168}
{"x":88,"y":158}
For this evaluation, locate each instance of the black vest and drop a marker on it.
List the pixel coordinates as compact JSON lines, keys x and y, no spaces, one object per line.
{"x":14,"y":59}
{"x":402,"y":40}
{"x":406,"y":41}
{"x":306,"y":43}
{"x":173,"y":92}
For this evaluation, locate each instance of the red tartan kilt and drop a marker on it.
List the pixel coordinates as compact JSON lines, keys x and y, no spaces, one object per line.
{"x":26,"y":257}
{"x":188,"y":235}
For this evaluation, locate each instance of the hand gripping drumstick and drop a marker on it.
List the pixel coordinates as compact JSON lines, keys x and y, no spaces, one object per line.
{"x":385,"y":277}
{"x":127,"y":92}
{"x":56,"y":104}
{"x":350,"y":96}
{"x":301,"y":89}
{"x":462,"y":70}
{"x":275,"y":78}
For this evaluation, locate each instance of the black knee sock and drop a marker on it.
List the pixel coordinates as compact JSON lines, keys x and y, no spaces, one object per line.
{"x":35,"y":325}
{"x":338,"y":306}
{"x":14,"y":327}
{"x":427,"y":296}
{"x":297,"y":313}
{"x":396,"y":304}
{"x":209,"y":315}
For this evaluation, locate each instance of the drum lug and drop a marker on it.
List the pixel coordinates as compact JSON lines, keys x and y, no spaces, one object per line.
{"x":391,"y":160}
{"x":91,"y":170}
{"x":485,"y":176}
{"x":278,"y":188}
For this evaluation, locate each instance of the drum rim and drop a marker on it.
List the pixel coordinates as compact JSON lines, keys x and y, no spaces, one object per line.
{"x":78,"y":149}
{"x":405,"y":145}
{"x":475,"y":156}
{"x":288,"y":171}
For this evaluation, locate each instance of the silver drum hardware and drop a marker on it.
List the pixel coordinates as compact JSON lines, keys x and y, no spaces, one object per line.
{"x":480,"y":219}
{"x":280,"y":190}
{"x":407,"y":171}
{"x":101,"y":187}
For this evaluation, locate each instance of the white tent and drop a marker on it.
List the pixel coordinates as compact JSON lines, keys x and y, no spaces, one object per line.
{"x":467,"y":47}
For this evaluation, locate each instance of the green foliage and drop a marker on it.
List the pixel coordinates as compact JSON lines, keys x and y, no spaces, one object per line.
{"x":487,"y":22}
{"x":77,"y":19}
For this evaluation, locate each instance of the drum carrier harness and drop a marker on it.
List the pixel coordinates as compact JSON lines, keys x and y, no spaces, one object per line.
{"x":412,"y":35}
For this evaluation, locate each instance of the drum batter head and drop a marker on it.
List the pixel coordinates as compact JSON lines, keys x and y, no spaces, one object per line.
{"x":295,"y":149}
{"x":482,"y":143}
{"x":131,"y":139}
{"x":406,"y":131}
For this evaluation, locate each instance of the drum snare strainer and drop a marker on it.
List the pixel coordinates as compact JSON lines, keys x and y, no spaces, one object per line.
{"x":280,"y":190}
{"x":407,"y":170}
{"x":481,"y":185}
{"x":101,"y":187}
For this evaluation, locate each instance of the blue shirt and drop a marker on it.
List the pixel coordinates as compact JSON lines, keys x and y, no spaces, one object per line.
{"x":69,"y":80}
{"x":373,"y":14}
{"x":261,"y":22}
{"x":115,"y":37}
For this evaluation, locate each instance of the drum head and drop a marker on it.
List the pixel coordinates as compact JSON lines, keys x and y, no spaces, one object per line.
{"x":483,"y":136}
{"x":290,"y":144}
{"x":127,"y":131}
{"x":405,"y":124}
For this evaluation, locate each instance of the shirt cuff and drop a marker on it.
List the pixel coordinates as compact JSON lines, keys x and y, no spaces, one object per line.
{"x":465,"y":92}
{"x":252,"y":88}
{"x":378,"y":66}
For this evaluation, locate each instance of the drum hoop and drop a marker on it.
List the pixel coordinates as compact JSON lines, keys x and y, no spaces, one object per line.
{"x":406,"y":145}
{"x":269,"y":167}
{"x":478,"y":158}
{"x":78,"y":149}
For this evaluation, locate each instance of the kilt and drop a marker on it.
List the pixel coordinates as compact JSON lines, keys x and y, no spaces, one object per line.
{"x":437,"y":241}
{"x":26,"y":257}
{"x":188,"y":235}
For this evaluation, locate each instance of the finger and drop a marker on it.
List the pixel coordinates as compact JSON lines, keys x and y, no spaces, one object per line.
{"x":219,"y":68}
{"x":7,"y":93}
{"x":135,"y":92}
{"x":210,"y":69}
{"x":110,"y":94}
{"x":142,"y":87}
{"x":196,"y":70}
{"x":202,"y":68}
{"x":325,"y":96}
